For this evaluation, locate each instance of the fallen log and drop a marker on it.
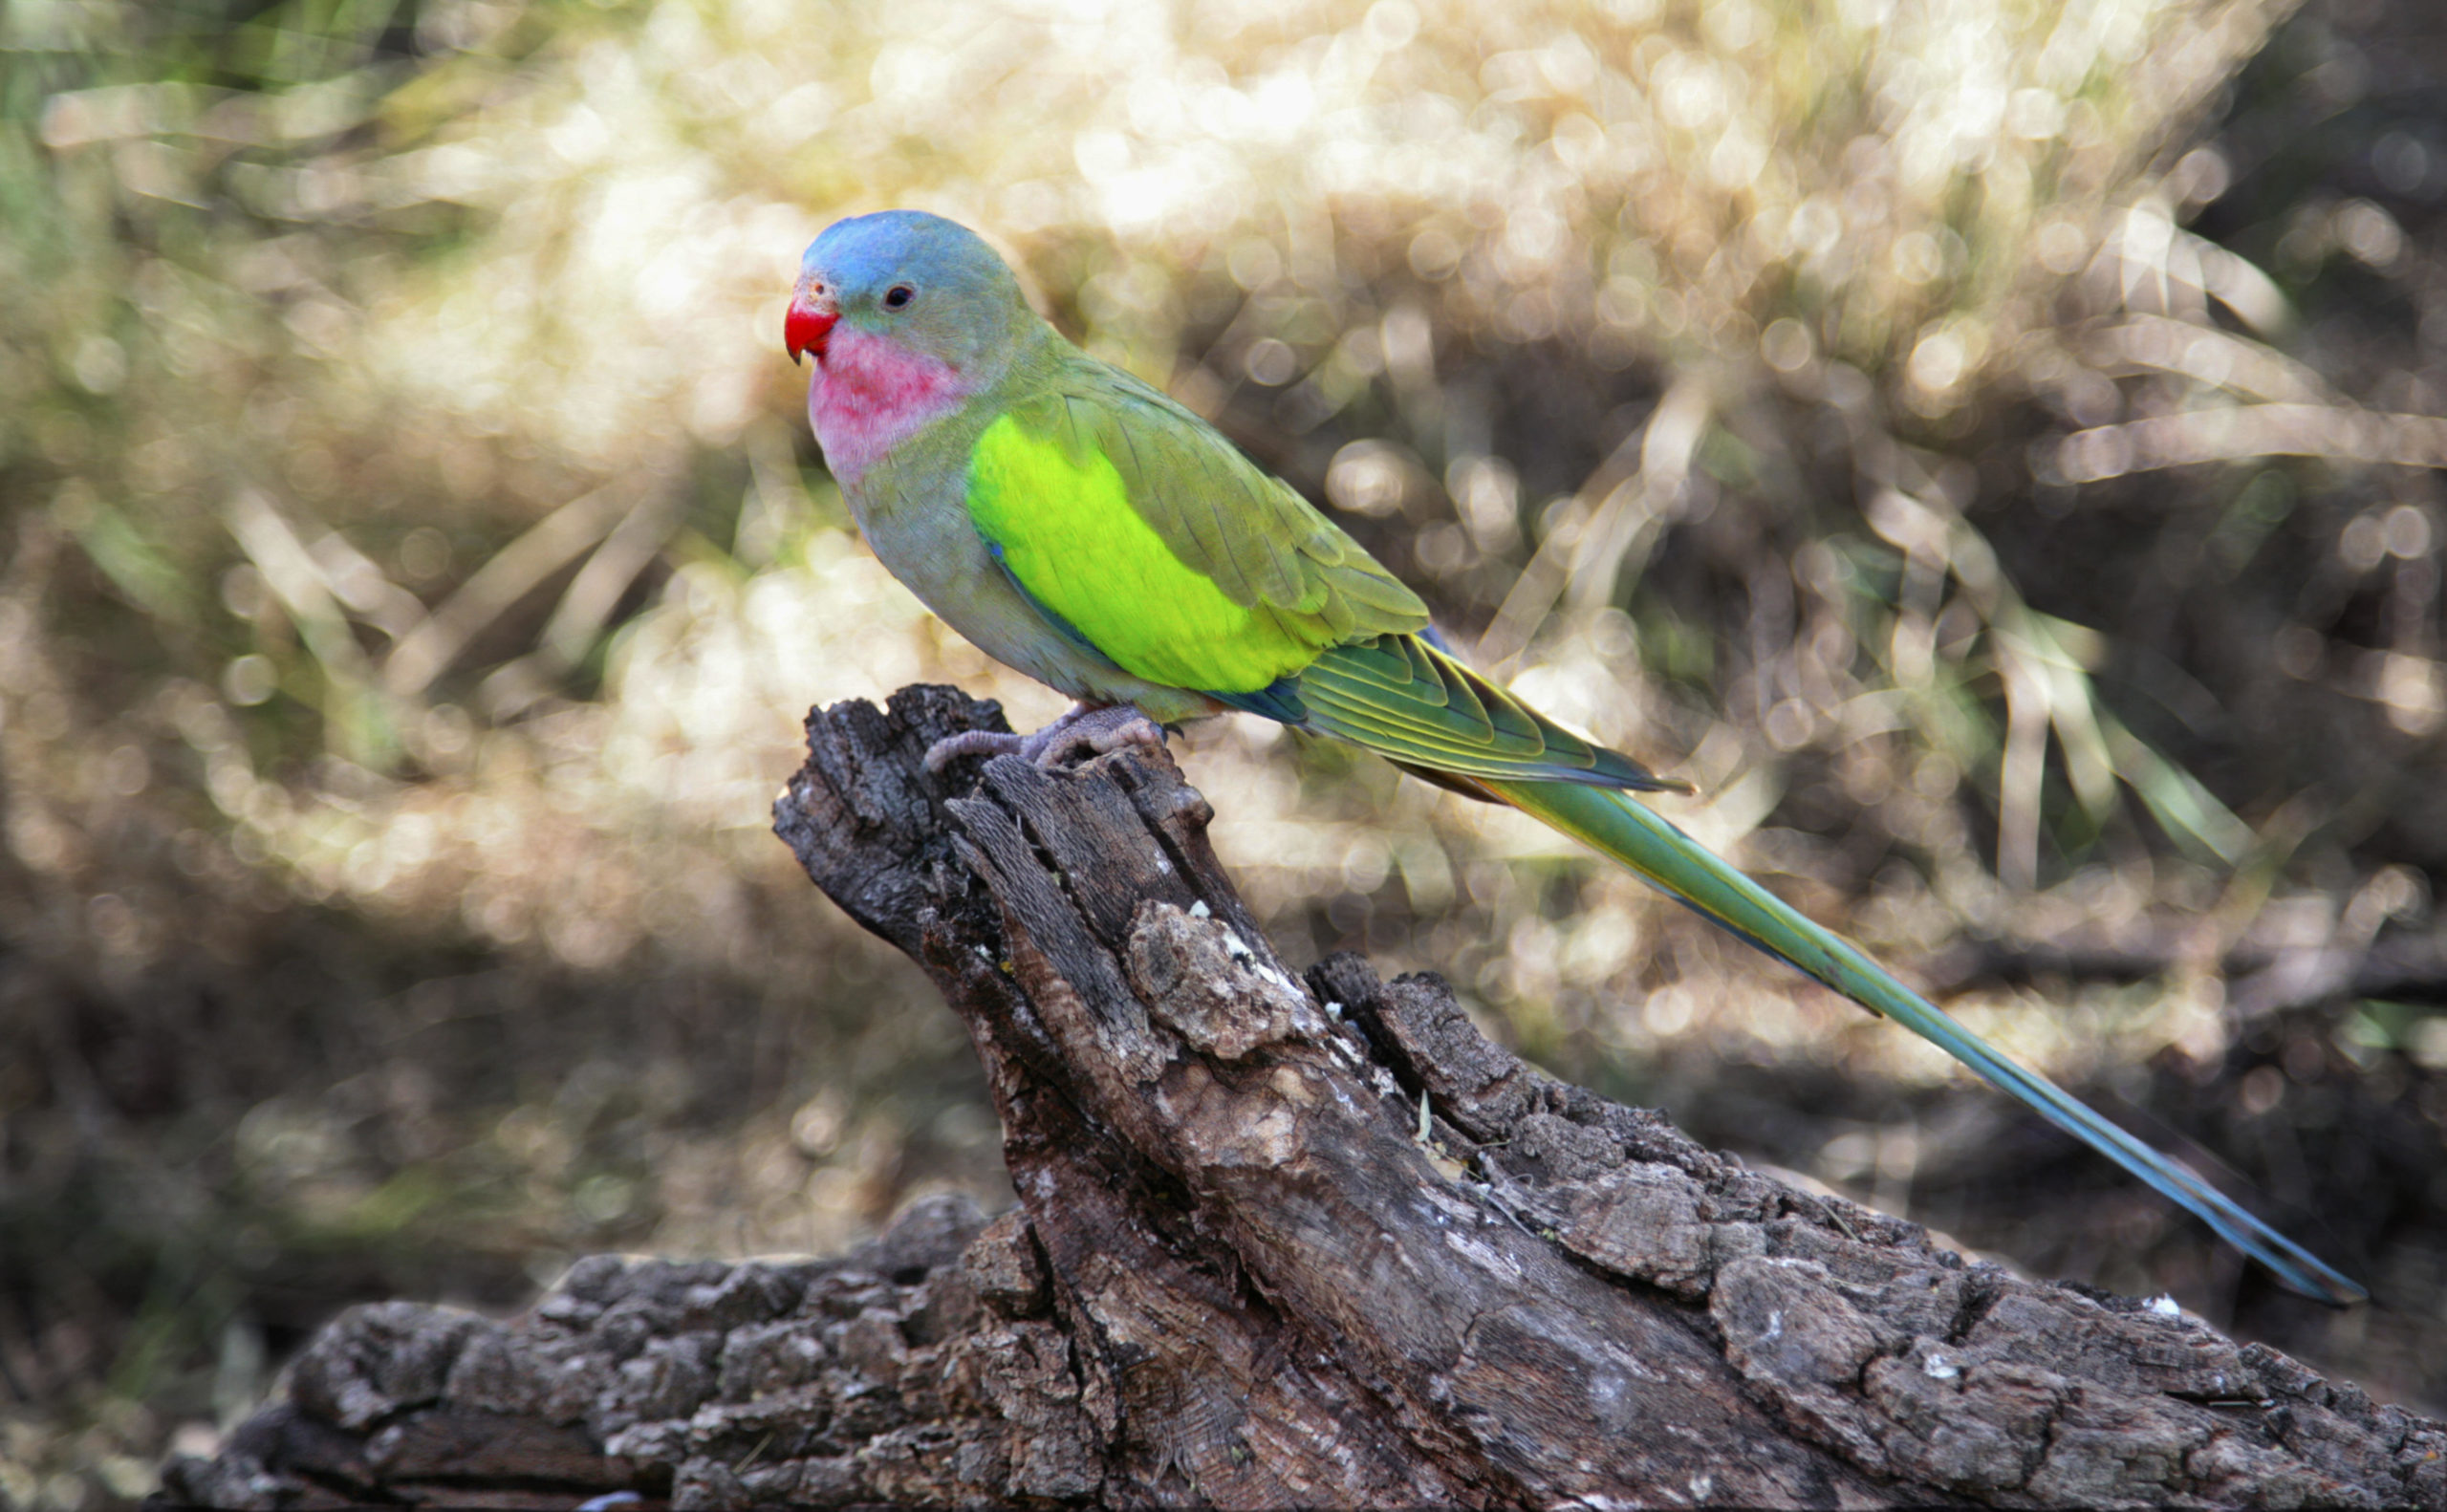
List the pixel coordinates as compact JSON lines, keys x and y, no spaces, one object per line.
{"x":1282,"y":1240}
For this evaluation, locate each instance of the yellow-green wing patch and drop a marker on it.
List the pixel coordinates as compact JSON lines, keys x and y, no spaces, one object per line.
{"x":1059,"y":518}
{"x":1169,"y":552}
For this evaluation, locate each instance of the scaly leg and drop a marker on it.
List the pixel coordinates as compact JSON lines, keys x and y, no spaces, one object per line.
{"x":1096,"y":729}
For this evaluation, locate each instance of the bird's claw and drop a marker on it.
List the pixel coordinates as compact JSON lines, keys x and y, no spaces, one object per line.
{"x":1097,"y":730}
{"x":971,"y":742}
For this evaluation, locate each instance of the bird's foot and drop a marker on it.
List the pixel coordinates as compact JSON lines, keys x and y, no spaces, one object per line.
{"x":1097,"y":729}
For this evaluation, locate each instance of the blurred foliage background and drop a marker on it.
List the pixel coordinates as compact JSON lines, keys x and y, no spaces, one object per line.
{"x":1989,"y":445}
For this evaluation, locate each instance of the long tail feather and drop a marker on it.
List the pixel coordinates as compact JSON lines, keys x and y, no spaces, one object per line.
{"x":1623,"y":827}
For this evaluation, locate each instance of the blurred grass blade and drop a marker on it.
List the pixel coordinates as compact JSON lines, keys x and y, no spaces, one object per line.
{"x":1668,"y":443}
{"x":362,"y":588}
{"x":2214,"y":359}
{"x":150,"y":579}
{"x":2240,"y":285}
{"x":2021,"y":769}
{"x":2064,"y":653}
{"x":2187,"y":810}
{"x":1621,"y":508}
{"x":578,"y":620}
{"x":509,"y":576}
{"x":353,"y":707}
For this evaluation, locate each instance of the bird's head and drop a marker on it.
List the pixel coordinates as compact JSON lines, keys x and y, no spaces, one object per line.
{"x":927,"y":286}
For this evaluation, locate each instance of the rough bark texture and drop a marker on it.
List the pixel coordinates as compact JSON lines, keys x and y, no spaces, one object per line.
{"x":1239,"y":1277}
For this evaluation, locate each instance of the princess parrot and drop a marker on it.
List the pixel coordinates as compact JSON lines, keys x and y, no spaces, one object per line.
{"x":1076,"y":523}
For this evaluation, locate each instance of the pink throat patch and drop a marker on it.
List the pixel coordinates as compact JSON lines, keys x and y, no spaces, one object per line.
{"x":869,"y":394}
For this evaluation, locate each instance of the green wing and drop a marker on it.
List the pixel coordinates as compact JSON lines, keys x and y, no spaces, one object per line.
{"x":1148,"y":536}
{"x":1154,"y":541}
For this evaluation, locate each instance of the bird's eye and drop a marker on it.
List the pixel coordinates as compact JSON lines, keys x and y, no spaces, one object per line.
{"x":898,"y":296}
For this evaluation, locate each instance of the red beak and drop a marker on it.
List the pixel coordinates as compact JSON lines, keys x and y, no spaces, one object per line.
{"x":807,"y":328}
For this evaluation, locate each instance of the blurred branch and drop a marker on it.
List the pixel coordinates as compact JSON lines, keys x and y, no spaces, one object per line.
{"x":2263,"y":979}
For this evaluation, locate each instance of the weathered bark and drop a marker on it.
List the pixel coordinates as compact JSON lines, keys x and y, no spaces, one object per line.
{"x":1239,"y":1276}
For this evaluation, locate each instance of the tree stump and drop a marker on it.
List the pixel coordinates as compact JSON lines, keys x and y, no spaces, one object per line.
{"x":1281,"y":1242}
